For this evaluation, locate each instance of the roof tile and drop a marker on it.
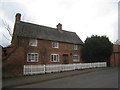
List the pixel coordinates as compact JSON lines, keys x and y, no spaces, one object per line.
{"x":30,"y":30}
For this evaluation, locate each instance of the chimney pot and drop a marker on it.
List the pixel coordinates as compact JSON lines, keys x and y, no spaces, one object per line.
{"x":18,"y":17}
{"x":59,"y":26}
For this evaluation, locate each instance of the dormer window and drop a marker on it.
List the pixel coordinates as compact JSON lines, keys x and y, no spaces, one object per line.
{"x":55,"y":45}
{"x":75,"y":47}
{"x":33,"y":42}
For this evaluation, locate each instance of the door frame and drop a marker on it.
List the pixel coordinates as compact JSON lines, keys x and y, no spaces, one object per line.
{"x":65,"y":59}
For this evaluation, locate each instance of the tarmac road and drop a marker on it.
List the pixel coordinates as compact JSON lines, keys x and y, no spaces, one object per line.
{"x":107,"y":78}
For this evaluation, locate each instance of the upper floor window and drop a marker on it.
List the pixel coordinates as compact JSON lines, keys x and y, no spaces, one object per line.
{"x":75,"y":47}
{"x":54,"y":57}
{"x":55,"y":45}
{"x":32,"y":57}
{"x":33,"y":42}
{"x":76,"y":58}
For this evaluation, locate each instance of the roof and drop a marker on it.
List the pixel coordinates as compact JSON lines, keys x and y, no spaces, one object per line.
{"x":25,"y":29}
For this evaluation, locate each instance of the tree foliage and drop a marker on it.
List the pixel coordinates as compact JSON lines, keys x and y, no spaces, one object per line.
{"x":97,"y":49}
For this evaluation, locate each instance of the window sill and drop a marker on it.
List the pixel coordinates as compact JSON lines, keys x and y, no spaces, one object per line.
{"x":54,"y":61}
{"x":55,"y":47}
{"x":33,"y":45}
{"x":76,"y":61}
{"x":32,"y":61}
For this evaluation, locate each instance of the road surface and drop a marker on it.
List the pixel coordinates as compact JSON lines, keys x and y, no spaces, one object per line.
{"x":107,"y":78}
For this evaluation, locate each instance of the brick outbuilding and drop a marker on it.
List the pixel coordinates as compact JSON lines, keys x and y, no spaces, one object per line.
{"x":115,"y":57}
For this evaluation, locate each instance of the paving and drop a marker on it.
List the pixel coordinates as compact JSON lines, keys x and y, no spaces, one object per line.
{"x":24,"y":80}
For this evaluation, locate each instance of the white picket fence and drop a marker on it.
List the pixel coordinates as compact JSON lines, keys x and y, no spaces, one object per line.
{"x":41,"y":69}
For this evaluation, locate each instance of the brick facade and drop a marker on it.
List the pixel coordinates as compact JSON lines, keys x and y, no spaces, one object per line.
{"x":18,"y":57}
{"x":13,"y":63}
{"x":115,"y":57}
{"x":44,"y":48}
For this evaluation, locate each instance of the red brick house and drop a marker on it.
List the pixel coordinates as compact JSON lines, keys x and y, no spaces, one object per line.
{"x":37,"y":44}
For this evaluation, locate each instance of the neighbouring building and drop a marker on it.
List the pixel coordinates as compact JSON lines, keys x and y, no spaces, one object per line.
{"x":34,"y":44}
{"x":115,"y":57}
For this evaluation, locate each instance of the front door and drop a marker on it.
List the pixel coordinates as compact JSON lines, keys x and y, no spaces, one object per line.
{"x":65,"y":58}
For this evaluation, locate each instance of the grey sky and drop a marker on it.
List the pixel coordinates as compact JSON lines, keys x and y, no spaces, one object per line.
{"x":85,"y":17}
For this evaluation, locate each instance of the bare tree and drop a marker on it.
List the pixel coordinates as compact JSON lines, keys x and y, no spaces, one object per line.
{"x":117,"y":42}
{"x":7,"y":26}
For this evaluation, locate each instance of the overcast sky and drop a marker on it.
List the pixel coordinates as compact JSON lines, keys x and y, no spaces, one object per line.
{"x":85,"y":17}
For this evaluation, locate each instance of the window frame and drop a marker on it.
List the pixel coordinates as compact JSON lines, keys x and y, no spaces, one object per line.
{"x":78,"y":60}
{"x":75,"y":46}
{"x":31,"y":43}
{"x":55,"y":44}
{"x":32,"y":57}
{"x":57,"y":59}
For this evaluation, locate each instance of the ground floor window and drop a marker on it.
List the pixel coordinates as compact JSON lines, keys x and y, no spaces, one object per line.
{"x":32,"y":57}
{"x":54,"y":57}
{"x":76,"y":58}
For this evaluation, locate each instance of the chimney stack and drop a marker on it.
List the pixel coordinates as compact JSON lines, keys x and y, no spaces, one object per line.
{"x":18,"y":17}
{"x":59,"y":26}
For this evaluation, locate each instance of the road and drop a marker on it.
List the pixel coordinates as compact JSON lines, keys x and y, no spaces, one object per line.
{"x":107,"y":78}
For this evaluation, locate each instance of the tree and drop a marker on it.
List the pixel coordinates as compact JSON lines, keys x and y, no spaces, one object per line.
{"x":7,"y":27}
{"x":117,"y":42}
{"x":6,"y":33}
{"x":97,"y":49}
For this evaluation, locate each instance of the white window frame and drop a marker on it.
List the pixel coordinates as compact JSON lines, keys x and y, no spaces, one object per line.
{"x":31,"y":43}
{"x":75,"y":46}
{"x":55,"y":44}
{"x":76,"y":60}
{"x":32,"y":57}
{"x":54,"y":55}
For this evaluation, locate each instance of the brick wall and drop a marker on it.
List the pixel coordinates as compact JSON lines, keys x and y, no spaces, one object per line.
{"x":115,"y":57}
{"x":13,"y":65}
{"x":44,"y":49}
